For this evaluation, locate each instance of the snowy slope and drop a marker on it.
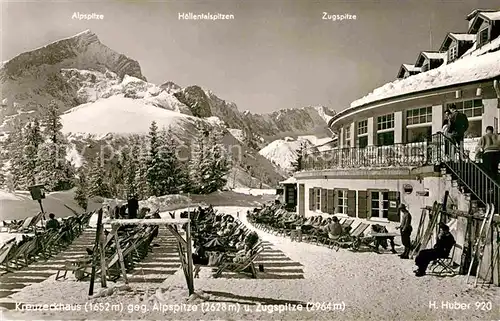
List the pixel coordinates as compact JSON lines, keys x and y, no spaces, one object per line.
{"x":283,"y":152}
{"x":475,"y":66}
{"x":237,"y":133}
{"x":118,"y":114}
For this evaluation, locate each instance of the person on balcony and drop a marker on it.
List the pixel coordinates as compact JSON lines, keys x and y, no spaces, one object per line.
{"x":406,"y":229}
{"x":489,"y":149}
{"x":442,"y":249}
{"x":457,"y":128}
{"x":445,"y":130}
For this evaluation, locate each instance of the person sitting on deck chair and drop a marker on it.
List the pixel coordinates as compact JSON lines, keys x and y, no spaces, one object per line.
{"x":52,"y":223}
{"x":334,"y":229}
{"x":442,"y":249}
{"x":377,"y":228}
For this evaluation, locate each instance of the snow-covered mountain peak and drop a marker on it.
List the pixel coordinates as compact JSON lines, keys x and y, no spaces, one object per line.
{"x":171,"y":87}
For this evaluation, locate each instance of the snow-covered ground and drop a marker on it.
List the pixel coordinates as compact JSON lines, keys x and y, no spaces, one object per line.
{"x":134,"y":116}
{"x":342,"y":285}
{"x":254,"y":191}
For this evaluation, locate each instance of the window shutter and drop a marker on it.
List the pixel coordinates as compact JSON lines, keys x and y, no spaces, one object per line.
{"x":335,"y":200}
{"x":351,"y":203}
{"x":311,"y":199}
{"x":393,"y":212}
{"x":331,"y":201}
{"x":324,"y":201}
{"x":363,"y":204}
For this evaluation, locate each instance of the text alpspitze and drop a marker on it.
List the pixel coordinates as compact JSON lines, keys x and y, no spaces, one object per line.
{"x":87,"y":16}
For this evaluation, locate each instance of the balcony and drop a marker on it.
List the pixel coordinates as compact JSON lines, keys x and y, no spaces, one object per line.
{"x":397,"y":155}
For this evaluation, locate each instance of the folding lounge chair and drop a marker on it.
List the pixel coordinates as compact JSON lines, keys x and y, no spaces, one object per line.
{"x":445,"y":266}
{"x":352,"y":238}
{"x":241,"y":267}
{"x":6,"y":252}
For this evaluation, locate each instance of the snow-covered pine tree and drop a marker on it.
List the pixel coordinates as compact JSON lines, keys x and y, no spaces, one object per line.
{"x":219,"y":163}
{"x":82,"y":188}
{"x":97,"y":184}
{"x":29,"y":154}
{"x":198,"y":167}
{"x":156,"y":173}
{"x":53,"y":168}
{"x":175,"y":175}
{"x":141,"y":172}
{"x":15,"y":154}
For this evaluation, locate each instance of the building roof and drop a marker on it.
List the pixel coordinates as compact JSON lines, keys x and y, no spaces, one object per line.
{"x":475,"y":12}
{"x":462,"y":36}
{"x":451,"y":36}
{"x":464,"y":70}
{"x":492,"y":16}
{"x":290,"y":180}
{"x":407,"y":67}
{"x":431,"y":55}
{"x":477,"y":20}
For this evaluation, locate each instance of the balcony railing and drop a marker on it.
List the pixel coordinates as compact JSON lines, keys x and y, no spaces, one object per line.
{"x":401,"y":155}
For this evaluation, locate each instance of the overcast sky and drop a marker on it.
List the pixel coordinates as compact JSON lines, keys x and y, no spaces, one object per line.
{"x":274,"y":54}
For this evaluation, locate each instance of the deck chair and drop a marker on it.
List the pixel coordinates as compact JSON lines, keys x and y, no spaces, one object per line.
{"x":445,"y":266}
{"x":348,"y":222}
{"x":241,"y":267}
{"x":350,"y":239}
{"x":6,"y":252}
{"x":25,"y":253}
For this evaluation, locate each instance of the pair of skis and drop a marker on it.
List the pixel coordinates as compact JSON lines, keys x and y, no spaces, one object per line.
{"x":480,"y":243}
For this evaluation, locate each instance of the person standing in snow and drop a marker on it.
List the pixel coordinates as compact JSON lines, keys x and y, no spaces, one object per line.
{"x":406,"y":229}
{"x":457,"y":128}
{"x":489,"y":147}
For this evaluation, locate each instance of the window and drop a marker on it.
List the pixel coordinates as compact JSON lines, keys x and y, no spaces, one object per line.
{"x":418,"y":124}
{"x":318,"y":199}
{"x":426,"y":66}
{"x":385,"y":138}
{"x":363,"y":133}
{"x":471,"y":108}
{"x":452,"y":53}
{"x":418,"y":134}
{"x":379,"y":204}
{"x":342,"y":201}
{"x":363,"y":141}
{"x":347,"y":136}
{"x":419,"y":116}
{"x":483,"y":36}
{"x":291,"y":197}
{"x":385,"y":122}
{"x":363,"y":127}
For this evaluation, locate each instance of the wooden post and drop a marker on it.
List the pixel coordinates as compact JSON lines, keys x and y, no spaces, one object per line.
{"x":96,"y":247}
{"x":189,"y":259}
{"x":120,"y":255}
{"x":102,"y":248}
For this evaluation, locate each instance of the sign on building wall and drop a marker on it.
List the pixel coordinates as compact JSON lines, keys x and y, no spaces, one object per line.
{"x":393,"y":204}
{"x":408,"y":189}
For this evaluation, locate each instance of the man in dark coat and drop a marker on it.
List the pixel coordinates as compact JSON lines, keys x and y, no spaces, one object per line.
{"x":457,"y":128}
{"x":406,"y":229}
{"x":133,"y":207}
{"x":442,"y":249}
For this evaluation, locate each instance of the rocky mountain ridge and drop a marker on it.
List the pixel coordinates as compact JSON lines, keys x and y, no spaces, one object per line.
{"x":80,"y":70}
